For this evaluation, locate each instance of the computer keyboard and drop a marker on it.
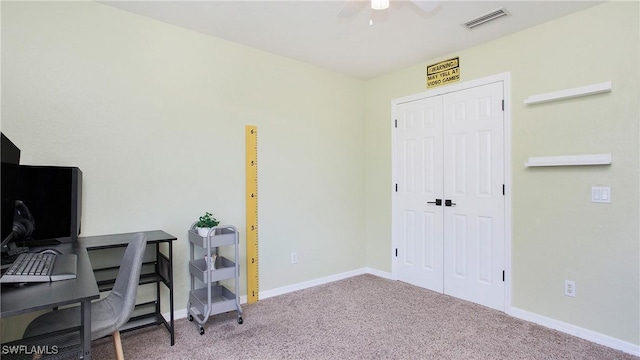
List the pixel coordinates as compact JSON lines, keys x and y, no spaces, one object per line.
{"x":35,"y":267}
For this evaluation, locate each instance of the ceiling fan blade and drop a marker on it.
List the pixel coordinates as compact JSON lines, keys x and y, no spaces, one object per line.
{"x":351,"y":8}
{"x":426,"y":6}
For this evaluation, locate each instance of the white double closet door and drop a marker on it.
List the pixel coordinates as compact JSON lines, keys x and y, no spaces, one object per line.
{"x":450,"y":205}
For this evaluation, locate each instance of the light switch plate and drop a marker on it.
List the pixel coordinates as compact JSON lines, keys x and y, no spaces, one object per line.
{"x":601,"y":194}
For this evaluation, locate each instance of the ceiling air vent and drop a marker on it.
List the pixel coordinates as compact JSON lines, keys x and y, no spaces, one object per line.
{"x":483,"y":19}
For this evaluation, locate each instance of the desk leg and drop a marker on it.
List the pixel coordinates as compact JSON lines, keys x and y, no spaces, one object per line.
{"x":171,"y":291}
{"x":158,"y":307}
{"x":85,"y":308}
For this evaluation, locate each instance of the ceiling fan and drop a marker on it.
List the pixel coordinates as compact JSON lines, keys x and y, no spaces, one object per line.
{"x":353,"y":7}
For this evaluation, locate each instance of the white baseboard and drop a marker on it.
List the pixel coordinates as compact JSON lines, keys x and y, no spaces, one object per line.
{"x":182,"y":313}
{"x":307,"y":284}
{"x":177,"y":314}
{"x":577,"y":331}
{"x":378,"y":273}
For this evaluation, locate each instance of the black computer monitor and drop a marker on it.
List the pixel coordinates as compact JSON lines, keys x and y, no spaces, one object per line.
{"x":47,"y":197}
{"x":53,"y":195}
{"x":10,"y":154}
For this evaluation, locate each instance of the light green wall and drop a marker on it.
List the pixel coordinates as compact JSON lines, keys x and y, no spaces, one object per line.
{"x":557,"y":232}
{"x":154,"y":116}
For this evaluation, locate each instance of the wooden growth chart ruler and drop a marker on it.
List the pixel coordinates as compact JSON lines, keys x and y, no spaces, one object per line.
{"x":251,"y":173}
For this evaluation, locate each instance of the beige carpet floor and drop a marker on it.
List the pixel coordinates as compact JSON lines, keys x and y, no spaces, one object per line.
{"x":364,"y":317}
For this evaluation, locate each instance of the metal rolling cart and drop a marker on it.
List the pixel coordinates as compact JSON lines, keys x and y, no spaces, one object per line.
{"x":208,"y":296}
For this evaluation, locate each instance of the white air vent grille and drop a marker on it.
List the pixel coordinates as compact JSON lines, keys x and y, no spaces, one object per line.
{"x":483,"y":19}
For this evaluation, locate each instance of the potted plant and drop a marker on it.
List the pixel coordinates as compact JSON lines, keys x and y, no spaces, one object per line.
{"x":205,"y":223}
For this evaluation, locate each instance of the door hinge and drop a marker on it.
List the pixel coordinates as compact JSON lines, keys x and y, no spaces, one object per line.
{"x":502,"y":275}
{"x":503,"y":192}
{"x":396,"y":123}
{"x":503,"y":105}
{"x":396,"y":252}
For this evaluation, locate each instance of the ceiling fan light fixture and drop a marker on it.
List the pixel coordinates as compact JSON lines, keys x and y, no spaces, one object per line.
{"x":379,"y":4}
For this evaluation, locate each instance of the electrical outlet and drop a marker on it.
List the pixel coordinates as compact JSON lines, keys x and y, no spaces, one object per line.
{"x":570,"y":288}
{"x":294,"y":257}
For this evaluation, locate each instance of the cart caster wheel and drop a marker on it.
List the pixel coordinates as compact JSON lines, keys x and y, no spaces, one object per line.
{"x":239,"y":319}
{"x":201,"y":331}
{"x":190,"y":318}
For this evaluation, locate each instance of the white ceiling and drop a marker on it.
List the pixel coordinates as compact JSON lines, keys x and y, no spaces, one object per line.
{"x":312,"y":32}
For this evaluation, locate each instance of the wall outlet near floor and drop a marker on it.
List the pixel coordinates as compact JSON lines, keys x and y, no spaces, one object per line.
{"x":294,"y":257}
{"x":570,"y":288}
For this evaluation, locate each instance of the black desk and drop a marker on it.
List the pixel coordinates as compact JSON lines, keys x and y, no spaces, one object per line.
{"x":39,"y":296}
{"x":158,"y":270}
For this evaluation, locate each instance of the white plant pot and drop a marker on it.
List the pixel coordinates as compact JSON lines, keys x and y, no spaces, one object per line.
{"x":204,"y":231}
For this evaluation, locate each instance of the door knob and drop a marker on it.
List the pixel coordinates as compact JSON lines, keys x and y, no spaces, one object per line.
{"x":438,"y":202}
{"x":448,"y":202}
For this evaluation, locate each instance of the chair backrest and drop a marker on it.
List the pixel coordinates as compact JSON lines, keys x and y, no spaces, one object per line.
{"x":123,"y":294}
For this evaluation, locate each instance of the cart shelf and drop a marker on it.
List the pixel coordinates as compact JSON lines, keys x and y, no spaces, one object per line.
{"x":208,"y":296}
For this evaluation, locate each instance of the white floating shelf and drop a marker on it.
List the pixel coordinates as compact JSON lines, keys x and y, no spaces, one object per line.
{"x":569,"y":93}
{"x":569,"y":160}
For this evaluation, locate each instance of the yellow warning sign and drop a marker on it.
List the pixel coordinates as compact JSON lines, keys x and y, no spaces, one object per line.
{"x":443,"y":73}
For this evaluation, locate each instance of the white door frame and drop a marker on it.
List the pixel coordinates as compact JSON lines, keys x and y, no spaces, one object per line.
{"x":505,"y":78}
